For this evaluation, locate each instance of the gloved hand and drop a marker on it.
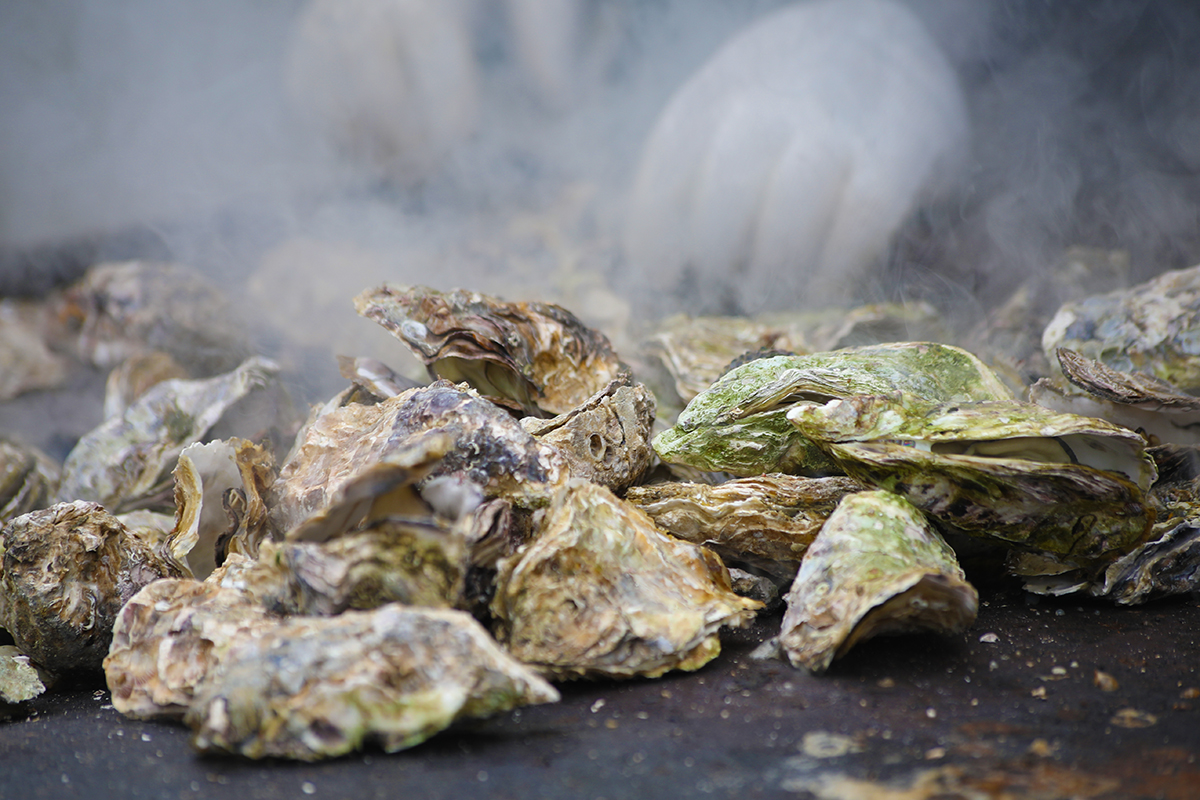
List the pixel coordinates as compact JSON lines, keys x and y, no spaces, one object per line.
{"x":777,"y":174}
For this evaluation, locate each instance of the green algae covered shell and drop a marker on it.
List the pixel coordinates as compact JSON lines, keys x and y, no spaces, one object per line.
{"x":1068,"y":485}
{"x":739,"y":424}
{"x":876,"y":568}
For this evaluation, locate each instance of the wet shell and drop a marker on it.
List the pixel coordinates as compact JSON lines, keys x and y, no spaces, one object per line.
{"x":739,"y":424}
{"x":533,"y":357}
{"x":28,"y":479}
{"x":1134,"y":400}
{"x":126,"y":462}
{"x":605,"y":440}
{"x":602,"y":592}
{"x":169,"y":636}
{"x":219,"y":504}
{"x":877,"y":568}
{"x":20,"y":680}
{"x":768,"y":521}
{"x":330,"y":466}
{"x":319,"y":687}
{"x":1149,"y":328}
{"x":1072,"y":486}
{"x":67,"y":570}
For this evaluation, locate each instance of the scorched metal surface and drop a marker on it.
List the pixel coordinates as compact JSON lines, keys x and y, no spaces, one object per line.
{"x":1010,"y":710}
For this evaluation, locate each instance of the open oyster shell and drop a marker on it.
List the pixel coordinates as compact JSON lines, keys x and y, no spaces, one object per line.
{"x":1149,"y":328}
{"x":605,"y":440}
{"x":602,"y":592}
{"x":536,"y":358}
{"x":125,"y":463}
{"x":318,"y":687}
{"x":219,"y":503}
{"x":877,"y":568}
{"x":739,"y":424}
{"x":1135,"y":400}
{"x":169,"y":636}
{"x":1016,"y":472}
{"x":767,"y":521}
{"x":67,"y":570}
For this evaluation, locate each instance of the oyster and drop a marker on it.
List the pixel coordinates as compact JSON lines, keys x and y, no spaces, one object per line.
{"x":348,"y":456}
{"x":132,"y":308}
{"x":27,"y":363}
{"x":536,"y":358}
{"x":169,"y":636}
{"x":419,"y":563}
{"x":601,"y":591}
{"x":67,"y":570}
{"x":1135,"y":400}
{"x":1068,"y":485}
{"x":125,"y":463}
{"x":219,"y":488}
{"x":28,"y":479}
{"x":767,"y":521}
{"x":877,"y":568}
{"x":1150,"y":328}
{"x":739,"y":424}
{"x":605,"y":440}
{"x":318,"y":687}
{"x":135,"y":376}
{"x":20,"y":680}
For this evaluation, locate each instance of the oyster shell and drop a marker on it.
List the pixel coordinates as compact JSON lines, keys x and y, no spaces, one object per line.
{"x":26,"y":361}
{"x":20,"y":680}
{"x":536,"y":358}
{"x":605,"y":440}
{"x":601,"y":591}
{"x":219,"y":488}
{"x":318,"y":687}
{"x":1016,"y":472}
{"x":67,"y":570}
{"x":125,"y":463}
{"x":739,"y":424}
{"x":767,"y":521}
{"x":132,"y":308}
{"x":28,"y":479}
{"x":1149,"y":328}
{"x":1135,"y":400}
{"x":169,"y":637}
{"x":877,"y":568}
{"x":348,"y":456}
{"x":135,"y":376}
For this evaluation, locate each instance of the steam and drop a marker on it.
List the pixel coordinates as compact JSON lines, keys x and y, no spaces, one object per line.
{"x":173,"y":116}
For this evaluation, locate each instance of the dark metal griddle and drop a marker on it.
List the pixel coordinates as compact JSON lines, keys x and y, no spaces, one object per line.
{"x":1020,"y":717}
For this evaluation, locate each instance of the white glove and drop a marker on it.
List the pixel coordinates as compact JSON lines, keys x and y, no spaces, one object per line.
{"x":779,"y":172}
{"x":393,"y":83}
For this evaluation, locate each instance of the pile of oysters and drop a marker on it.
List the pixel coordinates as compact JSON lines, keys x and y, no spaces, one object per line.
{"x":410,"y":553}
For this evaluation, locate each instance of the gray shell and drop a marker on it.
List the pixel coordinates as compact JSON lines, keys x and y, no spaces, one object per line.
{"x":600,"y":591}
{"x":126,"y":462}
{"x":67,"y":570}
{"x":317,"y":687}
{"x":28,"y":479}
{"x":1150,"y":328}
{"x":877,"y":568}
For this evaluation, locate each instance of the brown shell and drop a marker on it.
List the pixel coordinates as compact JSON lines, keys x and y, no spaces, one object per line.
{"x":67,"y":570}
{"x":602,"y":592}
{"x":534,"y":357}
{"x":605,"y":440}
{"x":768,"y":521}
